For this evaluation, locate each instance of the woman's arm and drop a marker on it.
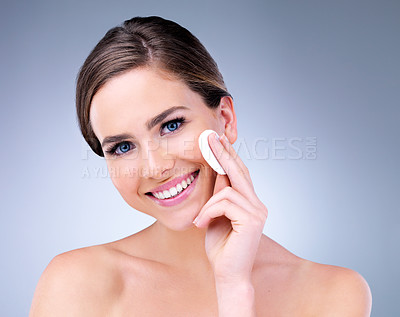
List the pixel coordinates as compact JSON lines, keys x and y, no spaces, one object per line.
{"x":235,"y":300}
{"x":234,"y":218}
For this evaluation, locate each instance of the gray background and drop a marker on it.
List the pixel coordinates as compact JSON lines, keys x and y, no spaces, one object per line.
{"x":297,"y":69}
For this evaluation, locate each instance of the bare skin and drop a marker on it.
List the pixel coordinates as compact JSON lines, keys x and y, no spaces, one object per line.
{"x":170,"y":268}
{"x":124,"y":278}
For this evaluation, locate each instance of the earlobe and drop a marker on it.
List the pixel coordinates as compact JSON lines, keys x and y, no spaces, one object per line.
{"x":227,"y":112}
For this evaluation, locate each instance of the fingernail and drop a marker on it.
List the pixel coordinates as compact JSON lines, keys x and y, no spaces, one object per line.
{"x":195,"y":220}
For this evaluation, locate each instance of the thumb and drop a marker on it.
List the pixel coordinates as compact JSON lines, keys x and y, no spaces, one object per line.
{"x":221,"y":182}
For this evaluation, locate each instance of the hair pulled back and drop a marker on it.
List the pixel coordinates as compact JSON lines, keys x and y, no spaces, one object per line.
{"x":146,"y":42}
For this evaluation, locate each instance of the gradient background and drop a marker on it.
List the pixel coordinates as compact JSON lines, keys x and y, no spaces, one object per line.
{"x":296,"y":69}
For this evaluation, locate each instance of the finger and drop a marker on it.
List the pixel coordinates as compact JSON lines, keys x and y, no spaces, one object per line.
{"x":223,"y":208}
{"x":228,"y":146}
{"x":259,"y":211}
{"x":221,"y":182}
{"x":239,"y":178}
{"x":228,"y":193}
{"x":240,"y":219}
{"x":218,"y":150}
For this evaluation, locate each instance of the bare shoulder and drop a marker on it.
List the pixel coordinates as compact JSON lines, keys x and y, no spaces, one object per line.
{"x":339,"y":291}
{"x":80,"y":282}
{"x":306,"y":288}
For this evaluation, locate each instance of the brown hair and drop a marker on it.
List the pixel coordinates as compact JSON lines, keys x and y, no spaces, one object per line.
{"x":146,"y":41}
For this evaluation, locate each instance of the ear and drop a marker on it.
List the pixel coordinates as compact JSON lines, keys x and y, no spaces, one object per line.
{"x":228,"y":118}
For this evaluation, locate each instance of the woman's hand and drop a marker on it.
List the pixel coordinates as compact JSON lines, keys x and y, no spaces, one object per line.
{"x":234,"y":217}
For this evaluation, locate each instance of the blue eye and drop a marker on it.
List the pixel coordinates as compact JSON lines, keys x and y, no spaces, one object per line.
{"x":123,"y":148}
{"x":173,"y":125}
{"x":126,"y":146}
{"x":120,"y":148}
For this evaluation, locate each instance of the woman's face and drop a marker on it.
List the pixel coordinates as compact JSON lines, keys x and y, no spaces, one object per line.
{"x":148,"y":125}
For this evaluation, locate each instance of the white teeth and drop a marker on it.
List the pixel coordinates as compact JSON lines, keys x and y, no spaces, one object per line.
{"x":179,"y":188}
{"x":167,"y":194}
{"x":173,"y":191}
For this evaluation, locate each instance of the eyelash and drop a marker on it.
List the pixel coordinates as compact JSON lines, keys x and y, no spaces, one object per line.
{"x":113,"y":148}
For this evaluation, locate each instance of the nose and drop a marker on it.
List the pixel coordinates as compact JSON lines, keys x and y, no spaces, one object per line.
{"x":155,"y":161}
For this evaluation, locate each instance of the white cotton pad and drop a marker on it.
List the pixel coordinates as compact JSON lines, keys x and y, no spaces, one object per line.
{"x":207,"y":152}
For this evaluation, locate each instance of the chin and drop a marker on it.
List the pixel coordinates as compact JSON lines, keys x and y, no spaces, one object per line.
{"x":181,"y":220}
{"x":180,"y":227}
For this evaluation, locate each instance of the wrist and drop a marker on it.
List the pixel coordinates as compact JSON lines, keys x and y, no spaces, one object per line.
{"x":235,"y":299}
{"x":243,"y":290}
{"x":239,"y":282}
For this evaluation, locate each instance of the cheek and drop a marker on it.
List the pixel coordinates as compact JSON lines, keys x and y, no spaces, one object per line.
{"x":183,"y":147}
{"x":127,"y":186}
{"x":124,"y":177}
{"x":187,"y":149}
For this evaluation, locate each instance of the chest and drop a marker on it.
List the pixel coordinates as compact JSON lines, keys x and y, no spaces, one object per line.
{"x":167,"y":298}
{"x":180,"y":299}
{"x":155,"y":292}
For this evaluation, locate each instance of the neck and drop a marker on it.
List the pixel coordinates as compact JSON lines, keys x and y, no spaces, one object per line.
{"x":179,"y":249}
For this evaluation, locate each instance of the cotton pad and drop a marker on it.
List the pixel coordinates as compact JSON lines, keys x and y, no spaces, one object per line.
{"x":207,"y":152}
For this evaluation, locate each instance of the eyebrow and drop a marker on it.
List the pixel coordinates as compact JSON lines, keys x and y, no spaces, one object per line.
{"x":149,"y":124}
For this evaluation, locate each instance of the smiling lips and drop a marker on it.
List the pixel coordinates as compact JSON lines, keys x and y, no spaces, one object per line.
{"x":174,"y":187}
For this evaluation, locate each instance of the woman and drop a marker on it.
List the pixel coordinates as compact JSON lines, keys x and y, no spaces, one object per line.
{"x":144,"y":95}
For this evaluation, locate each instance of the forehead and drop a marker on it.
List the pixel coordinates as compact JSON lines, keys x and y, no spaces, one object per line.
{"x":132,"y":98}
